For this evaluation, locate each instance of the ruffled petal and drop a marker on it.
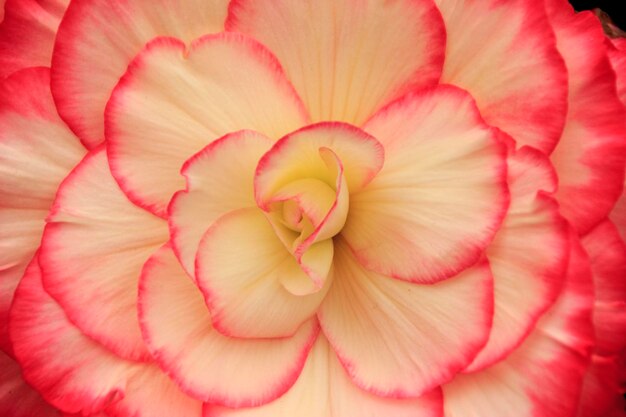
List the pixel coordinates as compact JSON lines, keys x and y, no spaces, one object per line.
{"x":219,"y":180}
{"x":17,"y":398}
{"x":398,"y":339}
{"x":77,"y":375}
{"x":36,"y":152}
{"x":504,"y":54}
{"x":324,"y":389}
{"x":96,"y":41}
{"x":206,"y":364}
{"x":27,"y":33}
{"x":591,"y":154}
{"x":347,"y":58}
{"x":441,"y":195}
{"x":528,"y":257}
{"x":93,"y":248}
{"x":174,"y":100}
{"x":543,"y":376}
{"x":246,"y":283}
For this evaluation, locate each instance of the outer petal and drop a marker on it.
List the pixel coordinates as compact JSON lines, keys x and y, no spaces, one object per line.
{"x":76,"y":374}
{"x":324,"y":389}
{"x":17,"y":398}
{"x":441,"y":196}
{"x":601,"y":393}
{"x":36,"y":153}
{"x":504,"y":54}
{"x":398,"y":339}
{"x":347,"y":58}
{"x":617,"y":55}
{"x":242,"y":280}
{"x":223,"y":83}
{"x":105,"y":35}
{"x":208,"y":365}
{"x":93,"y":248}
{"x":219,"y":180}
{"x":528,"y":256}
{"x":27,"y":33}
{"x":543,"y":376}
{"x":607,"y":253}
{"x":591,"y":154}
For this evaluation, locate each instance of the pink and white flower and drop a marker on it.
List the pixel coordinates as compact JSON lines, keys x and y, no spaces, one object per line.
{"x":251,"y":208}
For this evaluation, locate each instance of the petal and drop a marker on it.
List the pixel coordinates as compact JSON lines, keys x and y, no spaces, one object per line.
{"x":324,"y":389}
{"x":76,"y":374}
{"x":617,"y":55}
{"x":441,"y":196}
{"x":240,"y":280}
{"x":607,"y":253}
{"x":528,"y":257}
{"x":399,"y":339}
{"x":36,"y":152}
{"x":517,"y":76}
{"x":543,"y":376}
{"x":95,"y":35}
{"x":17,"y":398}
{"x":219,"y":180}
{"x":591,"y":154}
{"x":93,"y":248}
{"x":347,"y":58}
{"x":27,"y":33}
{"x":223,"y":83}
{"x":601,"y":393}
{"x":206,"y":364}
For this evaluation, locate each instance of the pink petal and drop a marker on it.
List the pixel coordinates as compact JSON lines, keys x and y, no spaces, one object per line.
{"x":93,"y":248}
{"x":324,"y":389}
{"x":27,"y":33}
{"x":206,"y":364}
{"x":219,"y":180}
{"x":95,"y":34}
{"x":245,"y":272}
{"x":441,"y":195}
{"x":607,"y":253}
{"x":617,"y":55}
{"x":528,"y":256}
{"x":17,"y":398}
{"x":543,"y":376}
{"x":222,"y":83}
{"x":601,"y":393}
{"x":591,"y":154}
{"x":399,"y":339}
{"x":31,"y":168}
{"x":347,"y":58}
{"x":77,"y":375}
{"x":504,"y":54}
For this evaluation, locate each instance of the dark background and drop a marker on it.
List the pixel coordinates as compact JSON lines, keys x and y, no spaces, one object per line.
{"x":609,"y":6}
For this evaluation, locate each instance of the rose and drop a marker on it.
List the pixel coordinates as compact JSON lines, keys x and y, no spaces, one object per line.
{"x":378,"y":199}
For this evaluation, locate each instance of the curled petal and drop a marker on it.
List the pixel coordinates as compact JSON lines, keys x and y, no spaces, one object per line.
{"x":442,"y":194}
{"x":105,"y":36}
{"x":347,"y":58}
{"x":208,"y":365}
{"x":324,"y":389}
{"x":223,"y":83}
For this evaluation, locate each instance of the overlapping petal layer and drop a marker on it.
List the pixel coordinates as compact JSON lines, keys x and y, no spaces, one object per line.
{"x":77,"y":375}
{"x":591,"y":155}
{"x":543,"y":376}
{"x":221,"y":83}
{"x":93,"y":248}
{"x":528,"y":256}
{"x":437,"y":329}
{"x":213,"y":367}
{"x":36,"y":152}
{"x":347,"y":58}
{"x":96,"y":34}
{"x":324,"y":389}
{"x":441,"y":195}
{"x":27,"y":33}
{"x":504,"y":54}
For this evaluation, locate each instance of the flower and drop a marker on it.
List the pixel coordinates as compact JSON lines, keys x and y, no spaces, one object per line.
{"x":321,"y":208}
